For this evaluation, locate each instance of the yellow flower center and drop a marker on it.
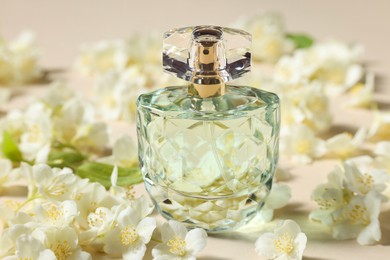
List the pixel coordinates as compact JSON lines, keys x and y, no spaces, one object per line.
{"x":177,"y":246}
{"x":34,"y":133}
{"x":58,"y":189}
{"x":358,"y":215}
{"x":54,"y":213}
{"x":62,"y":250}
{"x":97,"y":218}
{"x":303,"y":146}
{"x":130,"y":193}
{"x":25,"y":258}
{"x":284,"y":243}
{"x":128,"y":235}
{"x":366,"y":181}
{"x":12,"y":204}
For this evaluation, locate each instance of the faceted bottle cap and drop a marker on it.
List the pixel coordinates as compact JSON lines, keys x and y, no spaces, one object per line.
{"x":202,"y":53}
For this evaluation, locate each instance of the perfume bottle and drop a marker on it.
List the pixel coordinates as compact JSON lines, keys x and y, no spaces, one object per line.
{"x":208,"y":149}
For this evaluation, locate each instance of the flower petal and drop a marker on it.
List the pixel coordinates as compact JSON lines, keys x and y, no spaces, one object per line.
{"x":145,"y":229}
{"x":265,"y":245}
{"x":196,"y":240}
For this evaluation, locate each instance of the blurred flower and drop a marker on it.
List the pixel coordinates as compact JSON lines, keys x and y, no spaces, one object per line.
{"x":268,"y":36}
{"x":345,"y":145}
{"x":103,"y":56}
{"x":19,"y":60}
{"x":380,"y":127}
{"x":277,"y":198}
{"x":116,"y":92}
{"x":362,"y":95}
{"x":7,"y":174}
{"x":179,"y":244}
{"x":75,"y":125}
{"x":37,"y":133}
{"x":286,"y":242}
{"x":332,"y":63}
{"x":306,"y":104}
{"x":301,"y":144}
{"x":382,"y":152}
{"x":5,"y":95}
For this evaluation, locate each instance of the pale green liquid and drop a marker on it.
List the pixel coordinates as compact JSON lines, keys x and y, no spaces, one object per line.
{"x":208,"y":162}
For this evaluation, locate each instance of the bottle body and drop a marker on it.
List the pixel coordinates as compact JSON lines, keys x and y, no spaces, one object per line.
{"x":208,"y":162}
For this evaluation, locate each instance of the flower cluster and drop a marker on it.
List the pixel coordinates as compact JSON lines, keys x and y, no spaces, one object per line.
{"x":64,"y":216}
{"x":349,"y":203}
{"x":269,"y":36}
{"x":19,"y":60}
{"x":122,"y":70}
{"x":59,"y":119}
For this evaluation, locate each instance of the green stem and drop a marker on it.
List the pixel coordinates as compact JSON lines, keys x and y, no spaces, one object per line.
{"x":34,"y":197}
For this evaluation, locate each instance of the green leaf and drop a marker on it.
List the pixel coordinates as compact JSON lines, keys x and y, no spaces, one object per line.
{"x":10,"y":149}
{"x":65,"y":158}
{"x":301,"y":41}
{"x":101,"y":172}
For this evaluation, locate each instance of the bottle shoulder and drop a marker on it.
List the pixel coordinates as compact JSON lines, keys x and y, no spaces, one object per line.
{"x":237,"y":99}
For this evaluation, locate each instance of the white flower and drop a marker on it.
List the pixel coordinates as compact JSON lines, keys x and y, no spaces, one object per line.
{"x":9,"y":236}
{"x":19,"y":60}
{"x":51,"y":184}
{"x":36,"y":138}
{"x":116,"y":92}
{"x":89,"y":197}
{"x":332,"y":63}
{"x":278,"y":197}
{"x":380,"y":128}
{"x":179,"y":244}
{"x":286,"y":242}
{"x":117,"y":55}
{"x":75,"y":124}
{"x":6,"y":172}
{"x":296,"y":69}
{"x":306,"y":104}
{"x":345,"y":145}
{"x":129,"y":236}
{"x":331,"y":199}
{"x":57,"y":95}
{"x":362,"y":95}
{"x":363,"y":182}
{"x":361,"y":220}
{"x":28,"y":247}
{"x":382,"y":152}
{"x":63,"y":242}
{"x":52,"y":214}
{"x":301,"y":144}
{"x":268,"y":35}
{"x":124,"y":153}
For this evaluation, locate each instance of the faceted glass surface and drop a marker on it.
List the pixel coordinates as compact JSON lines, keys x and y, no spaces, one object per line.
{"x":179,"y":51}
{"x":208,"y":162}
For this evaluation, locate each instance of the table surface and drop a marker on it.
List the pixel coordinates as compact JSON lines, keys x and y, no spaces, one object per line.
{"x":61,"y":26}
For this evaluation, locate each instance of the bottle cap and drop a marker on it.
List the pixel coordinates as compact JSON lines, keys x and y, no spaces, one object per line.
{"x":207,"y":55}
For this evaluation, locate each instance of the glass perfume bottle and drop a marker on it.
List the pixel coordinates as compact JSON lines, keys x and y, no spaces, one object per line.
{"x":208,"y":150}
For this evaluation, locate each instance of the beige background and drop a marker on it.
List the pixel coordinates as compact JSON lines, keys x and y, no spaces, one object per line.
{"x":61,"y":26}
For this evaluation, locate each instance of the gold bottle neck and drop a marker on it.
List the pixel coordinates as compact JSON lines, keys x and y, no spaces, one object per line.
{"x":207,"y":59}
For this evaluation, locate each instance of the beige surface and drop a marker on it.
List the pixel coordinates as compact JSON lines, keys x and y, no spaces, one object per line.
{"x":62,"y":25}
